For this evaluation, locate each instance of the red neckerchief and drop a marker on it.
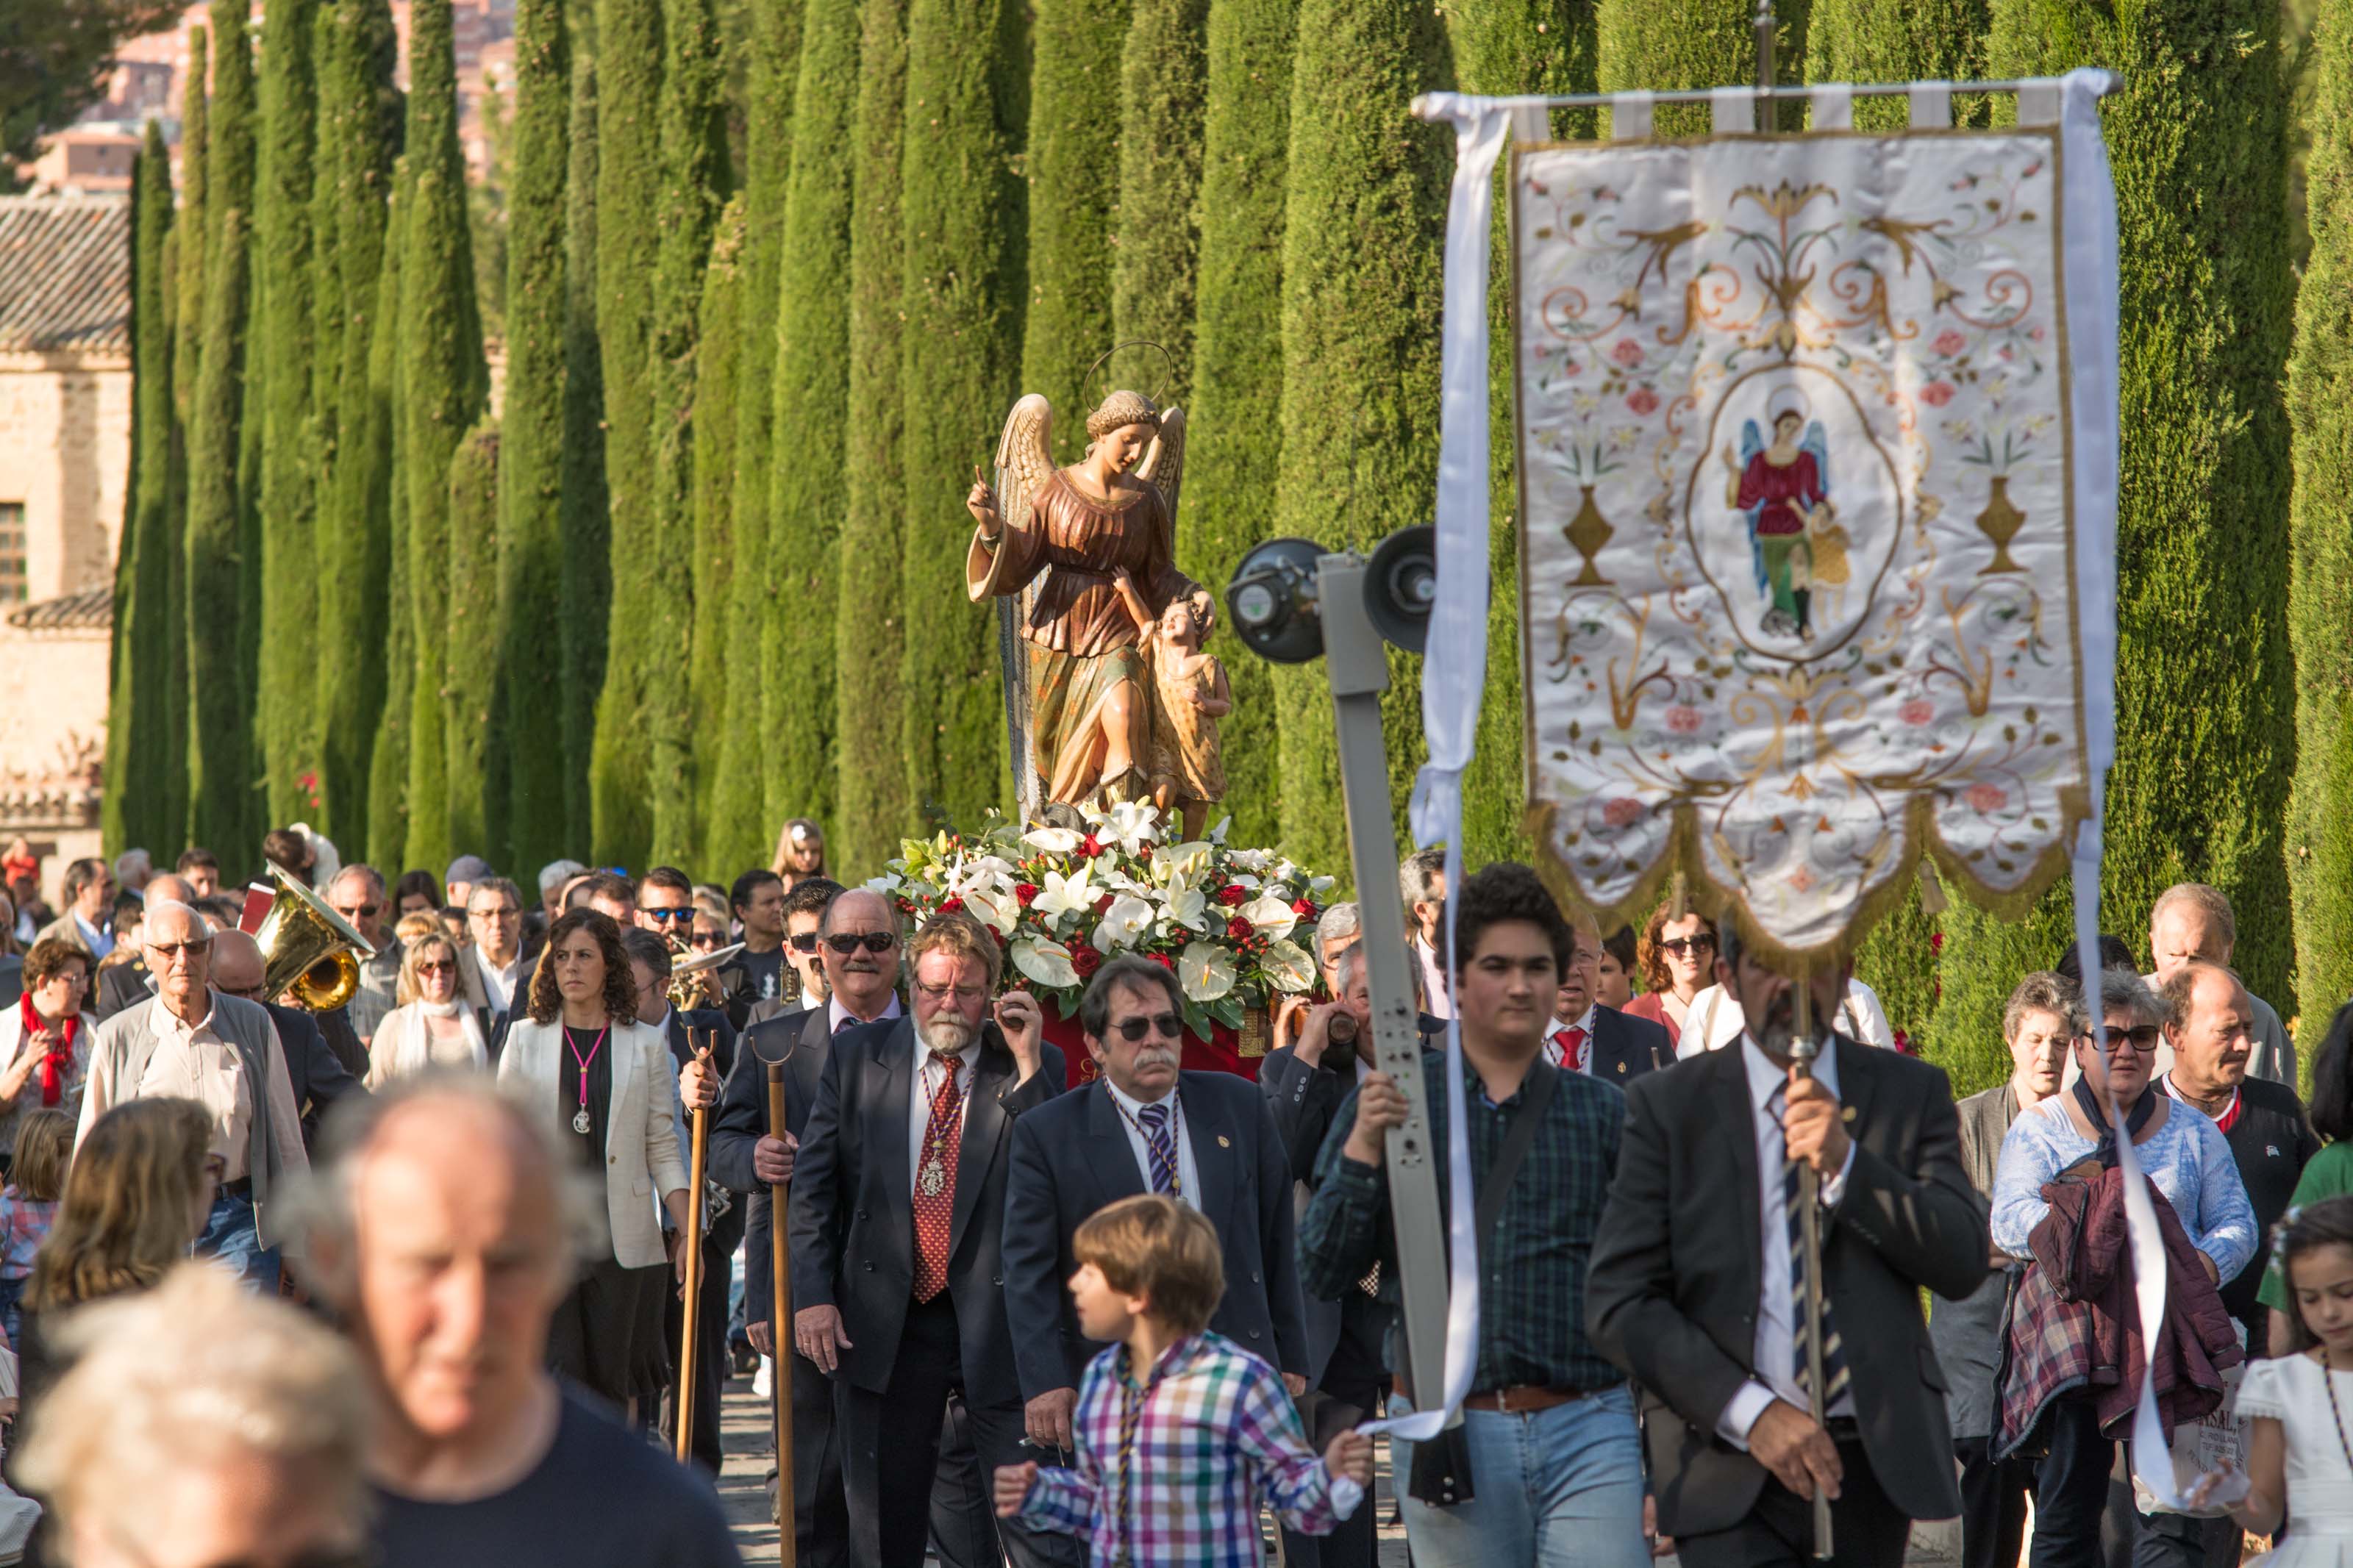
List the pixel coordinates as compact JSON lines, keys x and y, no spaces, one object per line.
{"x":2222,"y":1123}
{"x":54,"y":1062}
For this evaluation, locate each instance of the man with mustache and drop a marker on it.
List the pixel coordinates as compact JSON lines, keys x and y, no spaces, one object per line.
{"x":898,"y":1211}
{"x":1206,"y":1139}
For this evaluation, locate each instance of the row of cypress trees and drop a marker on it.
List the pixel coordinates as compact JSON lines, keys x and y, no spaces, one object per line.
{"x":705,"y":572}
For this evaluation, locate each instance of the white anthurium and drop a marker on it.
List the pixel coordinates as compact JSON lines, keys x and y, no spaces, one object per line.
{"x":1130,"y":824}
{"x":1125,"y":924}
{"x":1218,"y":834}
{"x":1074,"y":894}
{"x":886,"y":884}
{"x":1053,"y":840}
{"x":990,"y":910}
{"x":1287,"y":966}
{"x":1206,"y":970}
{"x":1046,"y":963}
{"x":1319,"y":886}
{"x":1272,"y":916}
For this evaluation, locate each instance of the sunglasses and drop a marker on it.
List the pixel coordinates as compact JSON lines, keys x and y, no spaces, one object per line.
{"x":1681,"y":945}
{"x":360,"y":911}
{"x":707,"y":940}
{"x":2141,"y":1037}
{"x":1167,"y":1025}
{"x":683,"y":912}
{"x":439,"y":966}
{"x":848,"y":942}
{"x":805,"y":943}
{"x":174,"y":949}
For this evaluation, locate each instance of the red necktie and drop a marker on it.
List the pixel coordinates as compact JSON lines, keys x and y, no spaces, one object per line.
{"x":1571,"y":1042}
{"x":935,"y":1178}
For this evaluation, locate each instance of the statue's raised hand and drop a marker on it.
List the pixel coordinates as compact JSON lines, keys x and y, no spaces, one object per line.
{"x":982,"y":504}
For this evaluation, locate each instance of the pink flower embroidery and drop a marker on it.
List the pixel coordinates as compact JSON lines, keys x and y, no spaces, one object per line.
{"x":1950,"y":342}
{"x":1937,"y":393}
{"x":1622,"y":812}
{"x":1684,"y":720}
{"x":1919,"y":710}
{"x":1627,"y":353}
{"x":1642,"y":400}
{"x":1801,"y":879}
{"x":1987,"y":798}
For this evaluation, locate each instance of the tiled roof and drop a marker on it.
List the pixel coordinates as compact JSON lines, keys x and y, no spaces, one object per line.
{"x":91,"y":610}
{"x":65,"y":273}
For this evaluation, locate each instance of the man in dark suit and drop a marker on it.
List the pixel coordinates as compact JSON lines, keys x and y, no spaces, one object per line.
{"x":1695,"y":1286}
{"x":1206,"y":1139}
{"x":319,"y":1076}
{"x":1584,"y":1037}
{"x":898,"y":1209}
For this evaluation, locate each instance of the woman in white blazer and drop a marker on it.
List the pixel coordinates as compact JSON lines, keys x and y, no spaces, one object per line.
{"x":432,"y":1028}
{"x":45,"y":1036}
{"x":604,"y":1080}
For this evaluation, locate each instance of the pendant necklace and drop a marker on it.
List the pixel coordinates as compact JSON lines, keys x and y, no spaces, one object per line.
{"x":580,"y":1120}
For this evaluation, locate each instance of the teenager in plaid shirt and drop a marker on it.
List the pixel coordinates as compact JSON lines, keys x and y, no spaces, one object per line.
{"x":1173,"y":1458}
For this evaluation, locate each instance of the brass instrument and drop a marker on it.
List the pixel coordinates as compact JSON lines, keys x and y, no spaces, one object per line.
{"x":685,"y":988}
{"x":308,"y":950}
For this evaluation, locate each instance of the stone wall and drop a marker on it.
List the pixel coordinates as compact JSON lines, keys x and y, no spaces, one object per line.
{"x":65,"y":453}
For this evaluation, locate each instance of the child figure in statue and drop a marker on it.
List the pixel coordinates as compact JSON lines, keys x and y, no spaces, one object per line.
{"x":1189,"y":694}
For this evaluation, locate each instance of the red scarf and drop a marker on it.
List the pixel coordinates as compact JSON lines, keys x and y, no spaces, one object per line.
{"x":60,"y":1054}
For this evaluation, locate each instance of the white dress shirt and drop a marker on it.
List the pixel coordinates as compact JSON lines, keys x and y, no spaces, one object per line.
{"x":498,"y":984}
{"x":1776,"y":1334}
{"x":929,"y":1074}
{"x":1713,"y":1020}
{"x":1437,"y":996}
{"x":1553,"y":1027}
{"x":1188,"y":1176}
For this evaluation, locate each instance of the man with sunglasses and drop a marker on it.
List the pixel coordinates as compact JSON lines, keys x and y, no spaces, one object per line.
{"x":2186,"y":1159}
{"x":357,"y":895}
{"x":1206,"y":1139}
{"x":223,"y":1052}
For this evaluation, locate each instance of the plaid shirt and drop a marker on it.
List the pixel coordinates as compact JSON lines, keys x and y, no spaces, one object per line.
{"x":1214,"y":1428}
{"x":1532,"y":1302}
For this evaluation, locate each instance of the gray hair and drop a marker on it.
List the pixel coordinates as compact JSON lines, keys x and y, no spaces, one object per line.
{"x":499,"y":885}
{"x":2122,"y":991}
{"x":2210,"y":901}
{"x":1341,"y":923}
{"x":2045,"y":992}
{"x":171,"y":907}
{"x":361,"y":868}
{"x":130,"y":860}
{"x":1418,"y":878}
{"x":555,"y":873}
{"x":1349,"y":965}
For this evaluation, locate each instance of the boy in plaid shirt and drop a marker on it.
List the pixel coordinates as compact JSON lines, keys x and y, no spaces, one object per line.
{"x":1179,"y":1430}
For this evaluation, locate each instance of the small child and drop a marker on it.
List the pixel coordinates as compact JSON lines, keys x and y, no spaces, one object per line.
{"x":1179,"y":1430}
{"x":28,"y":1204}
{"x":1185,"y":767}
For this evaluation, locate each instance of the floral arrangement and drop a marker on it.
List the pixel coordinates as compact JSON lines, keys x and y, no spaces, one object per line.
{"x":1228,"y":922}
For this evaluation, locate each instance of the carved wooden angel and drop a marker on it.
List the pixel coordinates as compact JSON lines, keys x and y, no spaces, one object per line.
{"x":1058,"y":539}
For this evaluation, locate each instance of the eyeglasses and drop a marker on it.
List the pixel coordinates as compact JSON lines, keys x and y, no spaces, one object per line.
{"x":439,"y":966}
{"x":169,"y":950}
{"x":2141,"y":1037}
{"x":1679,"y":945}
{"x":1135,"y":1029}
{"x":682,"y":912}
{"x":503,"y":912}
{"x":846,"y":942}
{"x":360,"y":911}
{"x":707,"y":940}
{"x":967,"y":995}
{"x":805,"y":943}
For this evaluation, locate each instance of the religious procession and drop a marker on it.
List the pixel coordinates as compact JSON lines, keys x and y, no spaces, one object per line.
{"x":1176,"y":784}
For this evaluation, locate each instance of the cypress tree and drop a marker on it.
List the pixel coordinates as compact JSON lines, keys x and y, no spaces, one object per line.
{"x":1366,"y":201}
{"x":695,"y":178}
{"x":964,"y":215}
{"x":1667,"y":43}
{"x":220,"y":733}
{"x":812,"y":411}
{"x":530,"y":488}
{"x":188,"y":312}
{"x":584,"y":589}
{"x":141,"y":661}
{"x":1898,"y":40}
{"x":387,"y":787}
{"x":2320,"y":582}
{"x":629,"y":167}
{"x":444,"y":385}
{"x":284,"y":365}
{"x":1237,"y":415}
{"x":875,"y":807}
{"x":1073,"y":185}
{"x":2199,"y":785}
{"x":722,"y":323}
{"x":1163,"y":97}
{"x":472,"y":667}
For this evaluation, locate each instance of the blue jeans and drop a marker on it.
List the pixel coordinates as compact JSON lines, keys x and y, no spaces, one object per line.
{"x":1552,"y":1489}
{"x":231,"y":1236}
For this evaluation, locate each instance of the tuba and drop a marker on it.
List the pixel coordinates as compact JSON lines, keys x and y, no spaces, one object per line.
{"x":307,"y":949}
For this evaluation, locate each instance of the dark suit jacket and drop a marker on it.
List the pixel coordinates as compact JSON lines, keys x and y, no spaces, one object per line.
{"x":1672,"y":1289}
{"x":853,"y":1238}
{"x":1303,"y":1098}
{"x":1624,"y":1047}
{"x":319,"y":1076}
{"x":118,"y":986}
{"x":1073,"y":1157}
{"x":726,"y":1232}
{"x":800,"y":1040}
{"x":11,"y":978}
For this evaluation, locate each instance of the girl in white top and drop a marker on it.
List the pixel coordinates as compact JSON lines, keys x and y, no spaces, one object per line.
{"x":2300,"y":1439}
{"x":432,"y":1028}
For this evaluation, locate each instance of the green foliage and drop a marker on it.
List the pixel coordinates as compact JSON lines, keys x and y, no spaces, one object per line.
{"x":2319,"y":837}
{"x":476,"y":733}
{"x":964,"y":212}
{"x":811,"y":396}
{"x":283,"y":364}
{"x":135,"y":758}
{"x":628,"y":169}
{"x":387,"y":787}
{"x":532,"y":546}
{"x":724,"y":322}
{"x":1360,"y":318}
{"x":1898,"y":961}
{"x":187,"y":285}
{"x":1663,"y":44}
{"x":1163,"y":97}
{"x":1899,"y":40}
{"x":875,"y":804}
{"x":445,"y":385}
{"x":695,"y":177}
{"x":584,"y":591}
{"x":1073,"y":165}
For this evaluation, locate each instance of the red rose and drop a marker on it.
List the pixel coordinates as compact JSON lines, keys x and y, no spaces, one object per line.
{"x":1233,"y":894}
{"x":1238,"y":929}
{"x":1085,"y":958}
{"x":1304,"y":908}
{"x":1102,"y":905}
{"x":1025,"y":893}
{"x":950,"y":904}
{"x":1091,"y":846}
{"x":1164,"y":961}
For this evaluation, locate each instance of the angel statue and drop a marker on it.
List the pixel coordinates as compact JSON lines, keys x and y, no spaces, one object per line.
{"x":1784,"y":491}
{"x":1057,"y":542}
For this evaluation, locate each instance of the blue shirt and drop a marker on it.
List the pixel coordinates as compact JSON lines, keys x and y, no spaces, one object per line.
{"x":2187,"y":1158}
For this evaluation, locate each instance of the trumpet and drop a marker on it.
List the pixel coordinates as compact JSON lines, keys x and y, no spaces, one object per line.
{"x":686,"y":989}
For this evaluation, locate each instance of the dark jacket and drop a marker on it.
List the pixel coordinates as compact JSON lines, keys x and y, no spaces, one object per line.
{"x":1624,"y":1047}
{"x":799,"y":1041}
{"x":2271,"y":1143}
{"x":1968,"y":1332}
{"x":726,"y":1232}
{"x":319,"y":1076}
{"x":120,"y":986}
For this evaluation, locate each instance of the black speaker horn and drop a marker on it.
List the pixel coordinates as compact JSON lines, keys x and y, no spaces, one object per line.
{"x":1401,"y":585}
{"x":1277,"y":603}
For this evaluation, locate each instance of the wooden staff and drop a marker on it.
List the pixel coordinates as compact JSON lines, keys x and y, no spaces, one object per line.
{"x":780,"y":1327}
{"x":687,"y":1338}
{"x":1809,"y":1220}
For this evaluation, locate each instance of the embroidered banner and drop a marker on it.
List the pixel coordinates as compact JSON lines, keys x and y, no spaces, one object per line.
{"x":1799,"y":562}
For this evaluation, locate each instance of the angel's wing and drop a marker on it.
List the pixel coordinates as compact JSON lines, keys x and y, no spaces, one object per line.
{"x":1752,"y":440}
{"x":1163,"y":466}
{"x":1819,"y":446}
{"x":1025,"y":458}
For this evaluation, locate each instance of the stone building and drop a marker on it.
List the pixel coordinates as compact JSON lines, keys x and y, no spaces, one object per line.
{"x":65,"y":460}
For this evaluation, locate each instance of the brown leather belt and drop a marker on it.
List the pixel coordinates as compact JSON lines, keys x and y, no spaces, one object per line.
{"x":1520,"y":1397}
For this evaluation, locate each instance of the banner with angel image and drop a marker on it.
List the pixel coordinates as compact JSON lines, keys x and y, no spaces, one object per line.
{"x":1806,"y":540}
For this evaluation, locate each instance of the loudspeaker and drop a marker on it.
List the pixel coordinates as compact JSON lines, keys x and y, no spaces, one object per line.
{"x":1401,"y":584}
{"x":1277,"y":603}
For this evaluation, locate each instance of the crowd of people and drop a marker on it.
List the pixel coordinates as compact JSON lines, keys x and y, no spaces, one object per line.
{"x":1125,"y":1320}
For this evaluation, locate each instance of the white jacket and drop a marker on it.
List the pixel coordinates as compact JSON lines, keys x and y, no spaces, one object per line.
{"x":641,"y":1162}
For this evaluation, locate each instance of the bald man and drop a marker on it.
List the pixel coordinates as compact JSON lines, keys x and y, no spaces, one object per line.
{"x":122,"y":984}
{"x":318,"y":1074}
{"x":446,"y":1251}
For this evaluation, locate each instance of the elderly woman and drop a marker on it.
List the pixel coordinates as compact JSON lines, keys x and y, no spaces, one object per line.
{"x":202,"y":1425}
{"x":45,"y":1037}
{"x":432,"y":1026}
{"x":1677,"y":957}
{"x":604,"y":1080}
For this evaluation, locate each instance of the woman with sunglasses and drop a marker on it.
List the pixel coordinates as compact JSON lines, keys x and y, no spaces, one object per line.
{"x":1677,"y":957}
{"x":432,"y":1028}
{"x":603,"y":1078}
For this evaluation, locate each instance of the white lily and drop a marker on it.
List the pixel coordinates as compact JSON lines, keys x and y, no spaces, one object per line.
{"x":886,"y":884}
{"x":1187,"y":905}
{"x":1046,"y":963}
{"x":1186,"y":859}
{"x":1206,"y":970}
{"x":1074,"y":894}
{"x":1272,"y":916}
{"x":992,"y":910}
{"x":1124,"y":924}
{"x":1130,"y":824}
{"x":1053,"y":840}
{"x":1218,"y":834}
{"x":1288,"y":966}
